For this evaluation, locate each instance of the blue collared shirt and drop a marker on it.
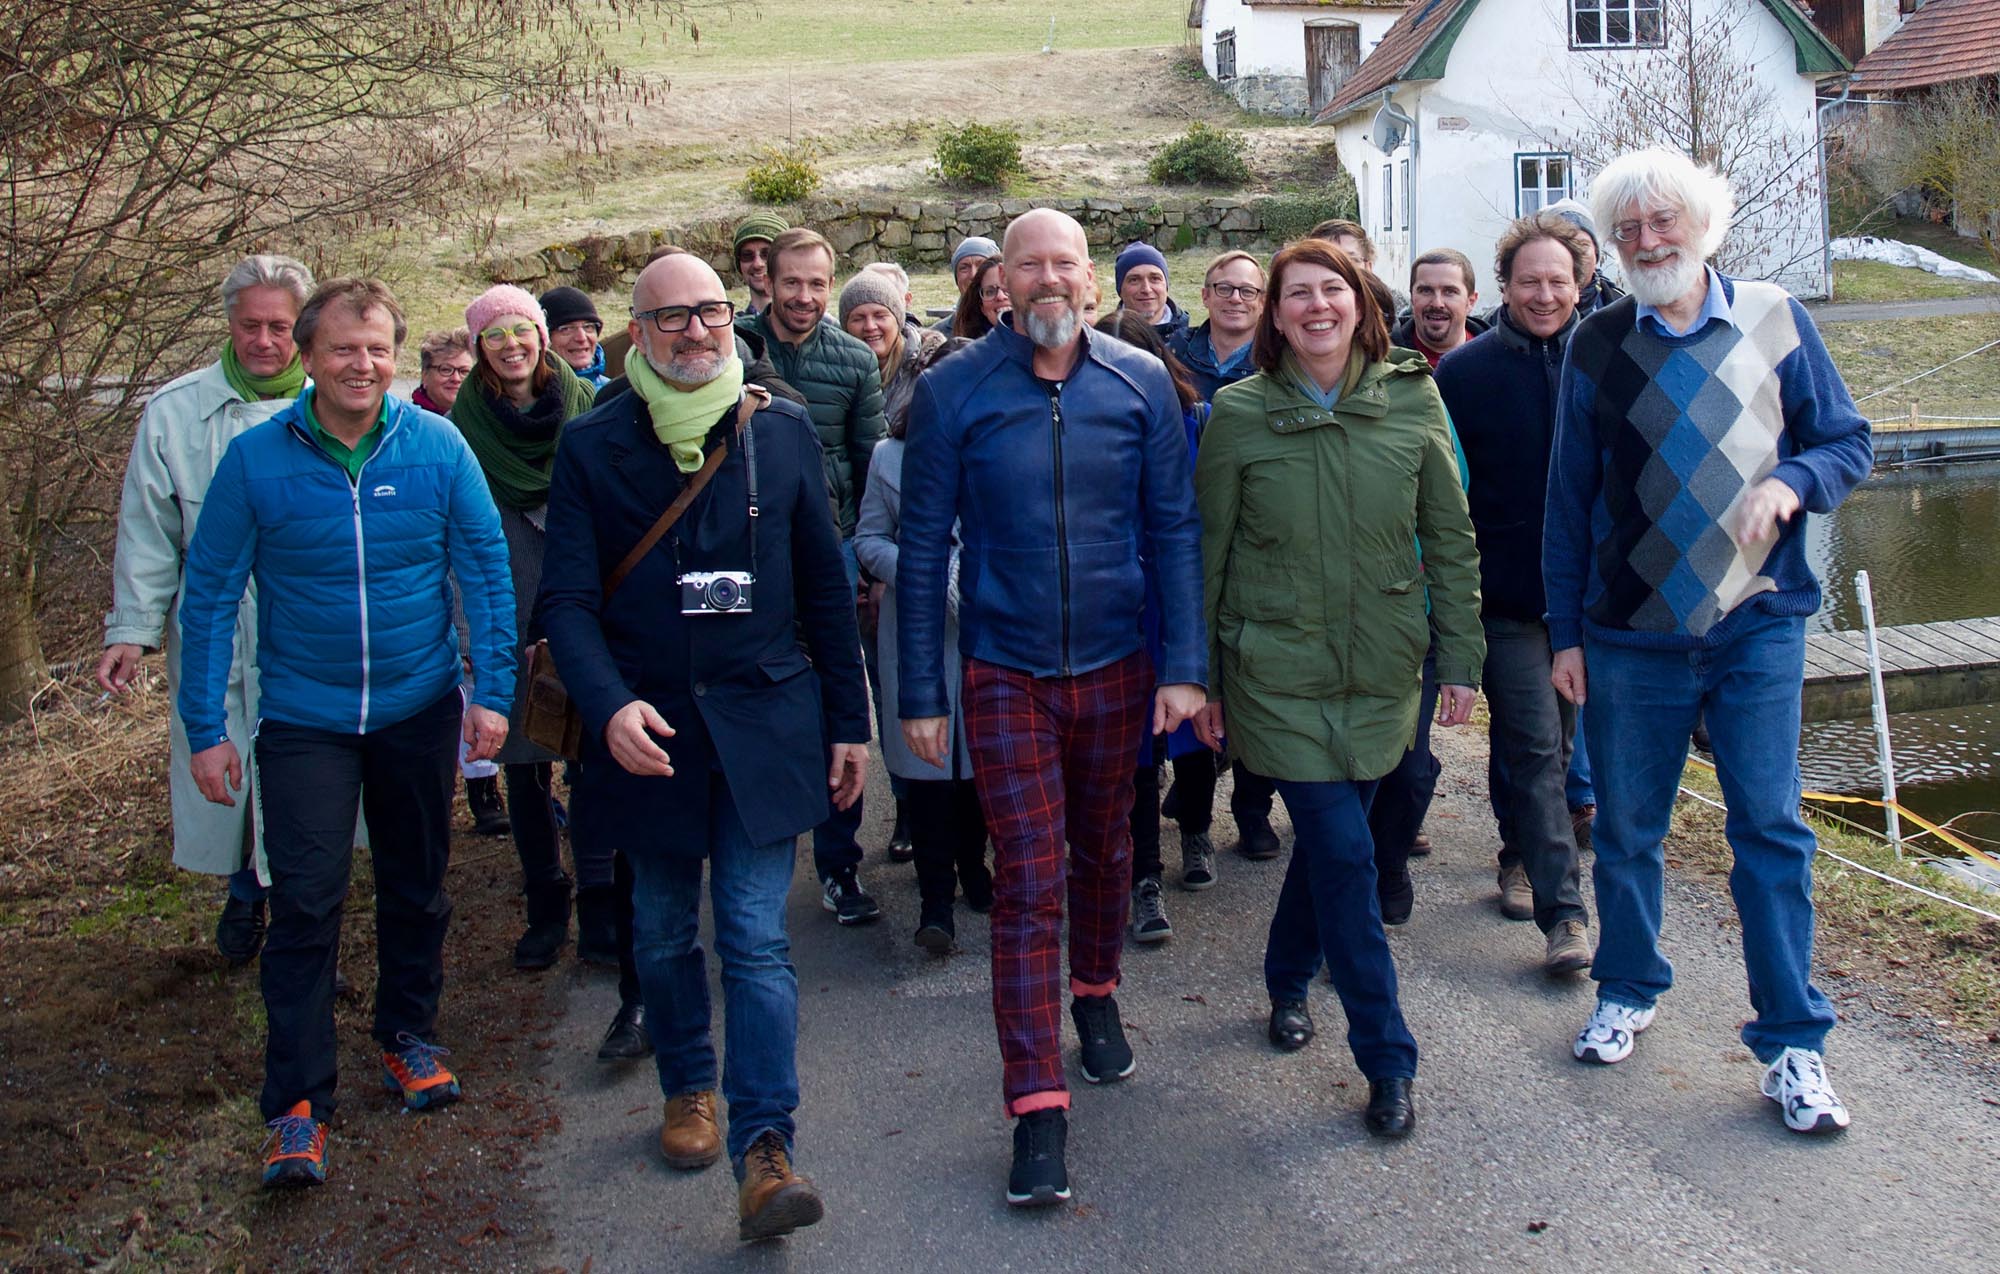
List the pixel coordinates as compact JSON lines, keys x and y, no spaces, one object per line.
{"x":1714,"y":306}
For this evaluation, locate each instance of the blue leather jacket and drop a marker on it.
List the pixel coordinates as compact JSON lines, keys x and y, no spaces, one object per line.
{"x":1060,"y":491}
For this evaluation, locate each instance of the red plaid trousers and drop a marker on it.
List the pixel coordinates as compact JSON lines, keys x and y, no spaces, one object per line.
{"x":1053,"y":758}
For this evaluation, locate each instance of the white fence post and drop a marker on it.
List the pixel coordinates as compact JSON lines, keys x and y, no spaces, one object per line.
{"x":1881,"y":713}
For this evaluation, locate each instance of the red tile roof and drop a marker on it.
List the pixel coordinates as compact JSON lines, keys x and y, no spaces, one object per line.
{"x":1398,"y":49}
{"x":1943,"y":41}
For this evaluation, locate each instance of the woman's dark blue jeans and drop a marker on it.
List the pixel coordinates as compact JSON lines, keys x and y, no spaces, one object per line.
{"x":1327,"y":909}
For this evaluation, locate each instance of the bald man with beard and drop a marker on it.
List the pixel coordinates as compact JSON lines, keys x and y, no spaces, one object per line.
{"x":1060,"y":456}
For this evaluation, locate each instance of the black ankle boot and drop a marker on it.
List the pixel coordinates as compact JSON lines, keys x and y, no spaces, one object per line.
{"x":548,"y":925}
{"x":489,"y":812}
{"x":597,"y":925}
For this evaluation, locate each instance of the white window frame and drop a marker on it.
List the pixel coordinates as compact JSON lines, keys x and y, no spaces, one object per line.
{"x":1388,"y":198}
{"x":1643,"y":23}
{"x":1544,"y":193}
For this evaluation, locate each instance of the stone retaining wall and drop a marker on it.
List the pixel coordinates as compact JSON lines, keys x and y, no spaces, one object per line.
{"x":917,"y":232}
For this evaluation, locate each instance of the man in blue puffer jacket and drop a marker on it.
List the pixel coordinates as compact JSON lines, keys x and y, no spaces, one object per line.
{"x":349,"y":508}
{"x":1062,"y":455}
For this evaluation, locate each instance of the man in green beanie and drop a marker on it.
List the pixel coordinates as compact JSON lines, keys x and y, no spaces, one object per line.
{"x":753,"y":256}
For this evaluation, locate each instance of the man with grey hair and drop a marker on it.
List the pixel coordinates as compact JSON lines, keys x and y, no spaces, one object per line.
{"x":711,"y":739}
{"x":1699,"y":420}
{"x":184,"y":430}
{"x":1062,"y":458}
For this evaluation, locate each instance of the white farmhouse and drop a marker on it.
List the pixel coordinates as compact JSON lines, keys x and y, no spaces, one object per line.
{"x":1469,"y":113}
{"x":1288,"y":57}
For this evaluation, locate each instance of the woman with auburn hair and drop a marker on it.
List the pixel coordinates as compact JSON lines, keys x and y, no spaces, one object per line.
{"x":982,"y":303}
{"x":1320,"y":480}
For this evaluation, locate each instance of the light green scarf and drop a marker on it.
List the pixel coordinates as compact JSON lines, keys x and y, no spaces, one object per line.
{"x":683,"y":417}
{"x":286,"y":384}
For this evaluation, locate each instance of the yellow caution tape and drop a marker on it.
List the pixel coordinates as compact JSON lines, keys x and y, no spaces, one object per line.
{"x":1955,"y":841}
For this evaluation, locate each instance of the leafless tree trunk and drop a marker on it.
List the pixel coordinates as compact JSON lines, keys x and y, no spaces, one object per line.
{"x":146,"y":144}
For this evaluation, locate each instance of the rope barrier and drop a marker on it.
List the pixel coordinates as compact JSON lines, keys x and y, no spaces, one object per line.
{"x":1950,"y":838}
{"x":1864,"y":868}
{"x":1877,"y":393}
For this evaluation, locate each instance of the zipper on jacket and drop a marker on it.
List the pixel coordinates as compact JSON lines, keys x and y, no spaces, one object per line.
{"x":360,"y":543}
{"x":1062,"y":526}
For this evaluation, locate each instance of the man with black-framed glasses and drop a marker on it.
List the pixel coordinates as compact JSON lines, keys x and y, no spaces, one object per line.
{"x":710,"y":737}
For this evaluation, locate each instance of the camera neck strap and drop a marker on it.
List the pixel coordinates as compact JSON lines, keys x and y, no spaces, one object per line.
{"x":755,"y":399}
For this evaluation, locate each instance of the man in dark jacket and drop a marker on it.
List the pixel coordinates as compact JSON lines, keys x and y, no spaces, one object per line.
{"x":349,"y":509}
{"x":1440,"y":317}
{"x":842,"y":383}
{"x":1063,"y":458}
{"x":1500,"y":389}
{"x":704,"y":735}
{"x":1139,"y":274}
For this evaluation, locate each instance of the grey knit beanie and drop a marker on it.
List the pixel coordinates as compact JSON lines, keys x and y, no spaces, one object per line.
{"x":976,"y":246}
{"x":870,"y":287}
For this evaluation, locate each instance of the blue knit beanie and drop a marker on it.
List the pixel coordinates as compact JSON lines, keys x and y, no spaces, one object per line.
{"x":1137,"y":254}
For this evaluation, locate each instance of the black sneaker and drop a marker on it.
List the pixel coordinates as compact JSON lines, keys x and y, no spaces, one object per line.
{"x":847,"y":900}
{"x":1149,"y":912}
{"x":1257,"y":842}
{"x":1040,"y":1177}
{"x":239,"y":930}
{"x":1105,"y":1056}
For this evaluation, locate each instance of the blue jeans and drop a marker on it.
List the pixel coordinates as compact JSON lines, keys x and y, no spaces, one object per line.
{"x":748,"y":885}
{"x":1641,"y":706}
{"x":1578,"y":790}
{"x":1327,"y":909}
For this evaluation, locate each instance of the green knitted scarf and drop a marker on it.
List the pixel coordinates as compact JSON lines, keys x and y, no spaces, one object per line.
{"x":515,"y":448}
{"x":682,"y":418}
{"x":286,"y":384}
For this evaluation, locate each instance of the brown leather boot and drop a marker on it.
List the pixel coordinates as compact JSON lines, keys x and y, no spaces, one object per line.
{"x":772,"y":1201}
{"x":689,"y":1137}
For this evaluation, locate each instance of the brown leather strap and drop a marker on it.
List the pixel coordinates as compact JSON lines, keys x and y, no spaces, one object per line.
{"x":755,"y":399}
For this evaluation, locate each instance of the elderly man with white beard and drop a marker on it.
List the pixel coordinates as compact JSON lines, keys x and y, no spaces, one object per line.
{"x":1700,"y":419}
{"x":1061,"y":457}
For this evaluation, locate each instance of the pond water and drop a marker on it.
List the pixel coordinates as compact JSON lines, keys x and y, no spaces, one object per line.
{"x":1927,"y":538}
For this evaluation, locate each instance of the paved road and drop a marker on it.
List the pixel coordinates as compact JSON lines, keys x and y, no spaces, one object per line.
{"x":1222,"y":1154}
{"x":1874,"y":311}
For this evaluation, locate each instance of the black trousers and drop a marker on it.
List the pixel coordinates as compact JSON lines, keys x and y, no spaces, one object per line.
{"x":1403,"y":797}
{"x":1193,"y":795}
{"x":312,"y":781}
{"x":948,"y":833}
{"x":531,"y":808}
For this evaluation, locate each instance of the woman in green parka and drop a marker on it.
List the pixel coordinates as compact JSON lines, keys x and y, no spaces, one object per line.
{"x":1330,"y":501}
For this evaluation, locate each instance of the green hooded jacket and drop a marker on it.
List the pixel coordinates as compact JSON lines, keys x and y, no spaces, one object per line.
{"x":1311,"y":523}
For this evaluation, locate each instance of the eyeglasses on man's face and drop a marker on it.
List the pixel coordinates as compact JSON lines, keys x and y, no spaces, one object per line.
{"x":675,"y":318}
{"x":1247,"y":291}
{"x":1658,"y":223}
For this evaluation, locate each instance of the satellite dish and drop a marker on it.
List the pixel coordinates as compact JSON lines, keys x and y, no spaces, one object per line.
{"x":1388,"y":130}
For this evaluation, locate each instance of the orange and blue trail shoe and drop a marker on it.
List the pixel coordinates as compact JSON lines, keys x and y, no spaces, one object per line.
{"x":413,"y":1071}
{"x":296,"y":1153}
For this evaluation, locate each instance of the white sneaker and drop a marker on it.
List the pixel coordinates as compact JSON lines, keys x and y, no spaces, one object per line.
{"x":1797,"y":1082}
{"x":1608,"y":1036}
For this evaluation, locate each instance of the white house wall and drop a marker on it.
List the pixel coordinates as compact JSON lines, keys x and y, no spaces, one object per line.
{"x":1499,"y":99}
{"x":1271,"y":48}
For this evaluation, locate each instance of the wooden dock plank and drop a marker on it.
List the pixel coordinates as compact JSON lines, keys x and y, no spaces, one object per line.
{"x":1946,"y":664}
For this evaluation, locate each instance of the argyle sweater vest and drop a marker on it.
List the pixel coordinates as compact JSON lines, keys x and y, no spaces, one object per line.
{"x":1659,"y":439}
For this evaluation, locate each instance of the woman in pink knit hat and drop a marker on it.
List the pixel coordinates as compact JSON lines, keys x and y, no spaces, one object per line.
{"x":512,"y":410}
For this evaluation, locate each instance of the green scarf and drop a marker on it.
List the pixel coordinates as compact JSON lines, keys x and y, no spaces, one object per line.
{"x":286,"y":384}
{"x":683,"y":417}
{"x":516,"y":450}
